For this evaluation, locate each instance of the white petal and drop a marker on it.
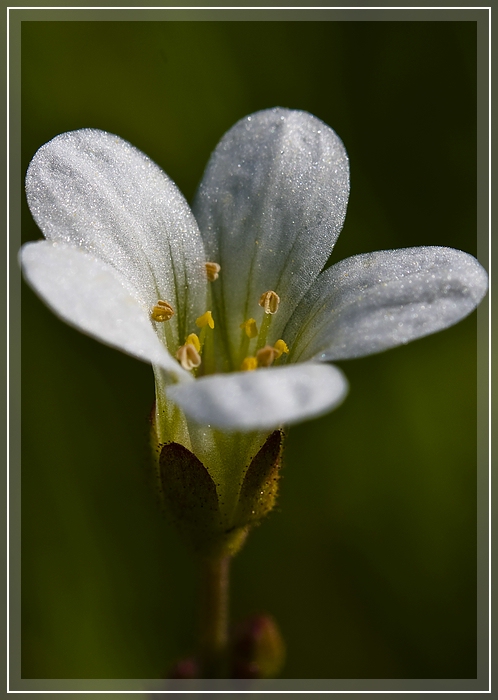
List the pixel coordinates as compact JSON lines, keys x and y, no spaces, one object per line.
{"x":375,"y":301}
{"x":93,"y":297}
{"x":261,"y":399}
{"x":91,"y":189}
{"x":270,"y":207}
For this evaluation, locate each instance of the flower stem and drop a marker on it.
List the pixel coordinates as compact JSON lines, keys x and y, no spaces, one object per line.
{"x":214,"y":617}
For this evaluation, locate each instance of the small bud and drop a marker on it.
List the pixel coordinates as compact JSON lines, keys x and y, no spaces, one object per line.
{"x":258,"y":648}
{"x":280,"y":348}
{"x":249,"y":364}
{"x":250,"y":328}
{"x":269,"y":301}
{"x":188,"y":356}
{"x":162,"y":311}
{"x":212,"y":271}
{"x":266,"y":355}
{"x":185,"y":668}
{"x":205,"y":320}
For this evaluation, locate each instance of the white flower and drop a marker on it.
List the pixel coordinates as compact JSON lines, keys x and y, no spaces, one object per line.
{"x":121,"y":238}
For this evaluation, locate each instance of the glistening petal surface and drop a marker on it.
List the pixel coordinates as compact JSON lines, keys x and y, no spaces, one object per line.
{"x":91,"y":189}
{"x":270,"y":206}
{"x":263,"y":399}
{"x":371,"y":302}
{"x":93,"y":297}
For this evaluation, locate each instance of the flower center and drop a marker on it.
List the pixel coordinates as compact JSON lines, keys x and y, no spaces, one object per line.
{"x":197,"y":353}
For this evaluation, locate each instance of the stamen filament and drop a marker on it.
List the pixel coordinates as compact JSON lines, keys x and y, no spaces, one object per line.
{"x":270,"y":302}
{"x":206,"y":324}
{"x":170,"y":341}
{"x":208,"y":358}
{"x":263,"y":331}
{"x":249,"y":331}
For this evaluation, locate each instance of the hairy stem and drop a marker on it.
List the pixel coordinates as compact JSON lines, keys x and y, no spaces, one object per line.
{"x":214,"y":617}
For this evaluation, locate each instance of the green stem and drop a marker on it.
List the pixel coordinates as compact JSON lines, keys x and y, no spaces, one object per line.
{"x":214,"y":617}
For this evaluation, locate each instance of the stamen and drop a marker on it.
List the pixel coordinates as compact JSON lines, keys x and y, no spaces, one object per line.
{"x":192,"y":339}
{"x":280,"y":348}
{"x":249,"y":364}
{"x":205,"y":320}
{"x":265,"y":356}
{"x":188,"y":356}
{"x":269,"y":301}
{"x":162,"y":311}
{"x":250,"y":328}
{"x":212,"y":271}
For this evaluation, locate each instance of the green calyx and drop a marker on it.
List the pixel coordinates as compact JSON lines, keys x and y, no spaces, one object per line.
{"x":191,"y":497}
{"x":259,"y":489}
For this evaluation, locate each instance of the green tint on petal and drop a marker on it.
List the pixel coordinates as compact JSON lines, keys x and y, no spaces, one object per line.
{"x":270,"y":207}
{"x":375,"y":301}
{"x":93,"y":190}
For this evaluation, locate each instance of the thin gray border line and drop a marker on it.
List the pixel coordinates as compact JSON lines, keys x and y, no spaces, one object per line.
{"x":490,"y":343}
{"x":253,"y":7}
{"x":179,"y":692}
{"x":489,"y":360}
{"x":489,"y":353}
{"x":488,"y":8}
{"x":8,"y":352}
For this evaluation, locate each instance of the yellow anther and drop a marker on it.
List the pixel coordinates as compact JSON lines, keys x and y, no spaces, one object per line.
{"x":212,"y":271}
{"x":205,"y":320}
{"x":188,"y":356}
{"x":280,"y":348}
{"x":250,"y":328}
{"x":162,"y":311}
{"x":266,"y":356}
{"x":249,"y":364}
{"x":269,"y":301}
{"x":192,"y":339}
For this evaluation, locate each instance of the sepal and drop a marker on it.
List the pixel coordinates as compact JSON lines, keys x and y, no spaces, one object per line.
{"x":259,"y":489}
{"x":190,"y":496}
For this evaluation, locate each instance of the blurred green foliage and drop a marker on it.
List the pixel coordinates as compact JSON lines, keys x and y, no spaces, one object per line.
{"x":369,"y":563}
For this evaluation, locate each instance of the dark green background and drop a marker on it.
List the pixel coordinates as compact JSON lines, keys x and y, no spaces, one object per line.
{"x":369,"y":563}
